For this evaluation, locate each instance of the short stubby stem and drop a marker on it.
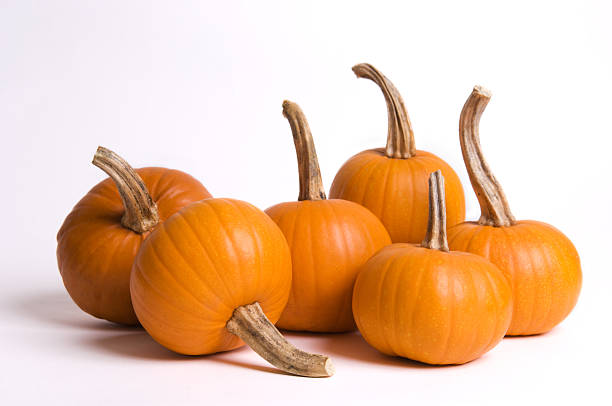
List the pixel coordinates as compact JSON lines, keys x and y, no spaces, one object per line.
{"x":311,"y":185}
{"x":251,"y":324}
{"x":400,"y":137}
{"x":141,"y":213}
{"x":494,"y":207}
{"x":436,"y":226}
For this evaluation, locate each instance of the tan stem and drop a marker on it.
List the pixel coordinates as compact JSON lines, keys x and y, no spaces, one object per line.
{"x":400,"y":137}
{"x":140,"y":210}
{"x":251,"y":324}
{"x":494,"y":207}
{"x":436,"y":225}
{"x":311,"y":185}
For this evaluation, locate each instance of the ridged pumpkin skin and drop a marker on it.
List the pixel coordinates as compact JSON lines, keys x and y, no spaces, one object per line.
{"x":201,"y":264}
{"x":329,"y":240}
{"x":95,"y":252}
{"x":540,"y":262}
{"x":396,"y":190}
{"x":431,"y":306}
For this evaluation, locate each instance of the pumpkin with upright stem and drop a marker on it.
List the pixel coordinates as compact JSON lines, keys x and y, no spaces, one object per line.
{"x":329,"y":241}
{"x":540,"y":262}
{"x":430,"y":304}
{"x":99,"y":239}
{"x":215,"y":274}
{"x":392,"y":182}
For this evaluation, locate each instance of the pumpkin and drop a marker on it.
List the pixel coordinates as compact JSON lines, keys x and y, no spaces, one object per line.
{"x":99,"y":239}
{"x":392,"y":181}
{"x":329,"y":241}
{"x":215,"y":275}
{"x":541,"y":263}
{"x":430,"y":304}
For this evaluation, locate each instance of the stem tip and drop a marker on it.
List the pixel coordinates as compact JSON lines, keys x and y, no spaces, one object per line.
{"x":482,"y":91}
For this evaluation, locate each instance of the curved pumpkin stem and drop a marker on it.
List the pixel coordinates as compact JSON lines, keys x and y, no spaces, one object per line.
{"x":494,"y":207}
{"x":311,"y":185}
{"x":251,"y":324}
{"x":400,"y":137}
{"x":140,"y":210}
{"x":436,"y":225}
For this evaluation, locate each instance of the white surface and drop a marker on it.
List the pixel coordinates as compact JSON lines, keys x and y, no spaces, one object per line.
{"x":198,"y":86}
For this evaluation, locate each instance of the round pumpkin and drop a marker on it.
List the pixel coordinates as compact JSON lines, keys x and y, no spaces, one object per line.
{"x":329,"y":241}
{"x":99,"y":239}
{"x":392,"y":182}
{"x":428,"y":304}
{"x":540,"y":262}
{"x":213,"y":275}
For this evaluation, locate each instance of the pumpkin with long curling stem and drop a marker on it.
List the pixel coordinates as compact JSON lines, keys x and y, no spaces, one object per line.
{"x":329,"y":241}
{"x":213,"y":275}
{"x":392,"y":182}
{"x":99,"y":239}
{"x":541,"y":263}
{"x":428,"y":304}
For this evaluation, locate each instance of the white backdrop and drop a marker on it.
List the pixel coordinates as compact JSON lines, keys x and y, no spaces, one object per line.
{"x":198,"y":86}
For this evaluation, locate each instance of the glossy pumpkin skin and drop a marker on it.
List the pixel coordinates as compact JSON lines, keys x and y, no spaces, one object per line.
{"x":329,"y":240}
{"x":431,"y":306}
{"x":396,"y":190}
{"x":540,"y":262}
{"x":202,"y":263}
{"x":95,"y":252}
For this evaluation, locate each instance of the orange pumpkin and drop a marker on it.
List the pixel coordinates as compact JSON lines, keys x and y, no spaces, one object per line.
{"x":428,"y":304}
{"x":392,"y":182}
{"x":541,"y":263}
{"x":99,"y":239}
{"x":329,"y":241}
{"x":214,"y":273}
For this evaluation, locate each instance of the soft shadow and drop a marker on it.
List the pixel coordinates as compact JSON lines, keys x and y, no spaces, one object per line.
{"x":220,"y":357}
{"x":353,"y":346}
{"x":528,"y":336}
{"x":57,"y":308}
{"x":139,"y":344}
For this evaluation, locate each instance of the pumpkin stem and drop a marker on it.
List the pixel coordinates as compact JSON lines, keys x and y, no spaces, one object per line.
{"x":494,"y":207}
{"x":140,"y":211}
{"x":400,"y":137}
{"x":251,"y":324}
{"x":436,"y":225}
{"x":311,"y":185}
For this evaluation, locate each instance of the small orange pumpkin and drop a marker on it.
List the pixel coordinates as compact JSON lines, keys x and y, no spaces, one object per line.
{"x":540,"y":262}
{"x":99,"y":239}
{"x":329,"y":241}
{"x":428,"y":304}
{"x":392,"y":182}
{"x":214,"y":273}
